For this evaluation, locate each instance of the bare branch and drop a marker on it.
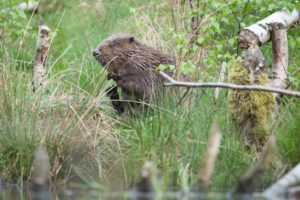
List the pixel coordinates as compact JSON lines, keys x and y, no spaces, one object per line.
{"x":244,"y":12}
{"x":172,"y":8}
{"x":234,"y":15}
{"x":175,"y":83}
{"x":182,"y":97}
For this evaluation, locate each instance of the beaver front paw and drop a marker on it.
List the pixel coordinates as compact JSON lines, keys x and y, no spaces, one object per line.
{"x":113,"y":76}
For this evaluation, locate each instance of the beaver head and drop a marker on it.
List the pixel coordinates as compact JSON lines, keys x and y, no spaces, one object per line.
{"x":123,"y":47}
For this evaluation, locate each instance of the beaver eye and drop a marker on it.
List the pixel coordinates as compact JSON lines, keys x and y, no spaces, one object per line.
{"x":131,"y":39}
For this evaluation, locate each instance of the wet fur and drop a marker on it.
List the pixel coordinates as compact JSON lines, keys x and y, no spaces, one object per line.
{"x":131,"y":64}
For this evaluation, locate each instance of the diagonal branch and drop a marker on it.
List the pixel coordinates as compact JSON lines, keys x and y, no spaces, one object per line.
{"x":174,"y":83}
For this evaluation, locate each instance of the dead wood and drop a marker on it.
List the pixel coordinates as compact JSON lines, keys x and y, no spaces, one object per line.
{"x":260,"y":32}
{"x":41,"y":51}
{"x":280,"y":55}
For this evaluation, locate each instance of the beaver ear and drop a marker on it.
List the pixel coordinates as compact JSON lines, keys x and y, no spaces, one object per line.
{"x":131,"y":39}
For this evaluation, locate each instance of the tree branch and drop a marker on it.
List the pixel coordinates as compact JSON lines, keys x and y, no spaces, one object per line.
{"x":175,"y":83}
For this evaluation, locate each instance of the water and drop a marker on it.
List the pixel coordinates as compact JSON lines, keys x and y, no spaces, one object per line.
{"x":15,"y":192}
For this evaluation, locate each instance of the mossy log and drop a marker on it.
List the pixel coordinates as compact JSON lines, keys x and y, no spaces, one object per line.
{"x":251,"y":111}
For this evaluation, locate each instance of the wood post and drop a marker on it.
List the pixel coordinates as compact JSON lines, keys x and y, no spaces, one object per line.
{"x":41,"y":51}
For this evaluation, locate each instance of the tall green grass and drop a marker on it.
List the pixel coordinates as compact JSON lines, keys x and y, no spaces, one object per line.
{"x":65,"y":121}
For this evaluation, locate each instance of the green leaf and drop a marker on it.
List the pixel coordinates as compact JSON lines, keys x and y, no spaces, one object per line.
{"x":200,"y":40}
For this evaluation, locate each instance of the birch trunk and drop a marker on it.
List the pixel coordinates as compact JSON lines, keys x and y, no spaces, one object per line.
{"x":280,"y":55}
{"x":273,"y":27}
{"x":40,"y":57}
{"x":260,"y":32}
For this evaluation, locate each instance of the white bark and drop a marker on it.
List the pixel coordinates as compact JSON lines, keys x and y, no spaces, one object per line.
{"x":41,"y":52}
{"x":29,"y":6}
{"x":221,"y":79}
{"x":275,"y":27}
{"x":260,"y":32}
{"x":280,"y":56}
{"x":278,"y":190}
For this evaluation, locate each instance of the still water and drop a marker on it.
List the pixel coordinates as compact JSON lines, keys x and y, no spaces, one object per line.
{"x":14,"y":192}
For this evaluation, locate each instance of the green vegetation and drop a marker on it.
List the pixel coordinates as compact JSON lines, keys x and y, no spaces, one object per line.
{"x":250,"y":110}
{"x":74,"y":120}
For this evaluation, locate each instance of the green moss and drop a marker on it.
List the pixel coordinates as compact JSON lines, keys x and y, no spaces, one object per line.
{"x":251,"y":111}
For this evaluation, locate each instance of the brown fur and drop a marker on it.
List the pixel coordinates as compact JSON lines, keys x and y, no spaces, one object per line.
{"x":131,"y":64}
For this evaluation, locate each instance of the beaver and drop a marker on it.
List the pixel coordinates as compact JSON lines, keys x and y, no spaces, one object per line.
{"x":132,"y":65}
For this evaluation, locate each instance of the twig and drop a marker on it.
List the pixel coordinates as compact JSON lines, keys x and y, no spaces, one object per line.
{"x":233,"y":13}
{"x":244,"y":13}
{"x":182,"y":97}
{"x":173,"y":15}
{"x":296,"y":72}
{"x":195,"y":23}
{"x":237,"y":20}
{"x":239,"y":30}
{"x":175,"y":83}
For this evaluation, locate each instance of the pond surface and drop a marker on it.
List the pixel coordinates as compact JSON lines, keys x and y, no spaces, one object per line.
{"x":15,"y":192}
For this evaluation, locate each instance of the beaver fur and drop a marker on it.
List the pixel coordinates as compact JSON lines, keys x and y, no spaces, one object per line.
{"x":132,"y":65}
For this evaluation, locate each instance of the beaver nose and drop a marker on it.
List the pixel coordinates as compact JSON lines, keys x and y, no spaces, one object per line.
{"x":96,"y":53}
